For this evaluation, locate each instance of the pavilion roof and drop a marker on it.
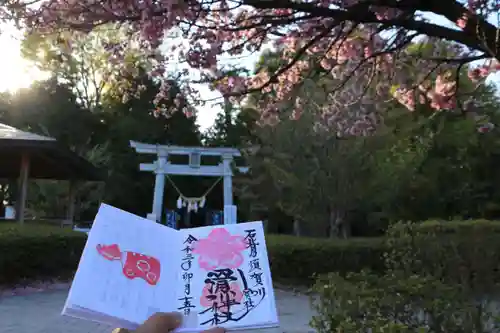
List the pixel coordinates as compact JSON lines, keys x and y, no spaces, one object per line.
{"x":48,"y":159}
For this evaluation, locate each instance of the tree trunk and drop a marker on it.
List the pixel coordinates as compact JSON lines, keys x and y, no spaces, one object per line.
{"x":296,"y":227}
{"x":346,"y":229}
{"x":332,"y":224}
{"x":78,"y":208}
{"x":337,"y":226}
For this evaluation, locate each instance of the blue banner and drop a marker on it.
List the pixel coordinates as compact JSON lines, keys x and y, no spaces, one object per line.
{"x":217,"y":217}
{"x":172,"y":218}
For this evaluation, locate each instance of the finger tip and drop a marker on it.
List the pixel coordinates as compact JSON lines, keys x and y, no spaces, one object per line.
{"x":120,"y":330}
{"x":164,"y":320}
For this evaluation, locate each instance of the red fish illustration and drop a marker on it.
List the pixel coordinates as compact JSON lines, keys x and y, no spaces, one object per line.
{"x":135,"y":265}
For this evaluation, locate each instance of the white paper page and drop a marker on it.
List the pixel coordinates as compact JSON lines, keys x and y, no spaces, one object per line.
{"x":127,"y":268}
{"x":84,"y":314}
{"x":225,"y":279}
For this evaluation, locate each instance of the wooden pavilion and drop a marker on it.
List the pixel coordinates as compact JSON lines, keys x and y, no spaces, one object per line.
{"x":25,"y":156}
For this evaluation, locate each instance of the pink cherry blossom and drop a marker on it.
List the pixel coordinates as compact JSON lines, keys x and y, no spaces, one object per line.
{"x":366,"y":51}
{"x":462,"y":21}
{"x":406,"y":97}
{"x":220,"y":249}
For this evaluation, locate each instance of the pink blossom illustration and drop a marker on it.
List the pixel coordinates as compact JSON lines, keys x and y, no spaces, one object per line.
{"x":219,"y":298}
{"x":220,"y":249}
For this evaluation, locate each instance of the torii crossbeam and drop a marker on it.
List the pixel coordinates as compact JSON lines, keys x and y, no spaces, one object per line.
{"x":162,"y":167}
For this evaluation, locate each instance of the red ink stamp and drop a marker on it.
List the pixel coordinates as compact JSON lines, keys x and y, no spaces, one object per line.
{"x":134,"y":265}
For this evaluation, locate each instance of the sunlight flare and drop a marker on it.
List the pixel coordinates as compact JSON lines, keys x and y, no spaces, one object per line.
{"x":15,"y":72}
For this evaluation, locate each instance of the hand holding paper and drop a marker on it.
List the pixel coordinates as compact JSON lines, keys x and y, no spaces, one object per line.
{"x":132,"y":267}
{"x":164,"y":323}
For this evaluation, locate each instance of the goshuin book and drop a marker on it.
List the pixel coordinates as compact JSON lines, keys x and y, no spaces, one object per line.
{"x":132,"y":268}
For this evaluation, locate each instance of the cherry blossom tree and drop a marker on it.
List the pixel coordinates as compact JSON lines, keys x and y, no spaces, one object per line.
{"x":370,"y":42}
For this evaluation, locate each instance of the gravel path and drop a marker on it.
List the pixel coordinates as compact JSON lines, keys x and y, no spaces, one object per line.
{"x":40,"y":313}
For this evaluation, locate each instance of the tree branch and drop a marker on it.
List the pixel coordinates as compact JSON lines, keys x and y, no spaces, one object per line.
{"x":362,"y":14}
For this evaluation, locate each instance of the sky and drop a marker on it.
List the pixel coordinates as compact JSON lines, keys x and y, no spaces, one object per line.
{"x":17,"y":73}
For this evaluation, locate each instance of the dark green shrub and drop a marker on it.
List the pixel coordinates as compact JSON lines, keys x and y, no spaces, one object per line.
{"x":37,"y":252}
{"x":396,"y":303}
{"x":298,"y":259}
{"x":466,"y":253}
{"x":31,"y":252}
{"x":432,"y":282}
{"x":459,"y":252}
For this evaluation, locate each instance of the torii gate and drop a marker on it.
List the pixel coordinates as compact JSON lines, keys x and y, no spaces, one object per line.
{"x":162,"y":167}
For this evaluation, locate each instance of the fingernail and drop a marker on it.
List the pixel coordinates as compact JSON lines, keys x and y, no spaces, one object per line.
{"x":120,"y":330}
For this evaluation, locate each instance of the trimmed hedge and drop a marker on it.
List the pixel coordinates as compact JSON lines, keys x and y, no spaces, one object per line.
{"x":298,"y":259}
{"x":459,"y":252}
{"x":457,"y":227}
{"x":32,"y":252}
{"x":37,"y":252}
{"x":466,"y":252}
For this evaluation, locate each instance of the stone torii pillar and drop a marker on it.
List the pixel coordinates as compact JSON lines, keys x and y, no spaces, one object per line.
{"x":162,"y":167}
{"x":228,"y":179}
{"x":159,"y":188}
